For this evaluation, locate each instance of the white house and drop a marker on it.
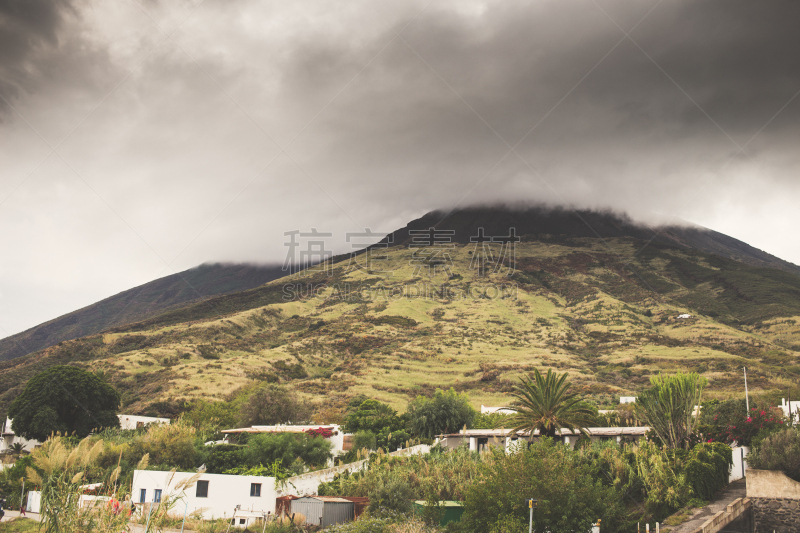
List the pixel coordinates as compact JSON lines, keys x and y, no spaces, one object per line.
{"x":790,"y":408}
{"x":136,"y":421}
{"x":482,"y":439}
{"x":9,"y":438}
{"x":684,"y":316}
{"x":486,"y":410}
{"x":212,"y":496}
{"x":627,"y":399}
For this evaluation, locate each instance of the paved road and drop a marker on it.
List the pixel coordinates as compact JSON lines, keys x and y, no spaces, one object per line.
{"x":737,"y":489}
{"x":14,"y":514}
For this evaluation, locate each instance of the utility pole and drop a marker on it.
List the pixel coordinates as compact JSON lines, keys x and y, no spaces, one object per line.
{"x":746,"y":396}
{"x":531,"y":505}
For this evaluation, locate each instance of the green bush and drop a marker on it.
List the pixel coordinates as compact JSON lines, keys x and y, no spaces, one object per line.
{"x":222,"y":457}
{"x":569,"y":497}
{"x":446,"y":412}
{"x":780,"y":451}
{"x":393,"y":494}
{"x":266,"y":448}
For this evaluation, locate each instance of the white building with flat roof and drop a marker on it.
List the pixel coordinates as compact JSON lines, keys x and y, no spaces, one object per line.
{"x":136,"y":421}
{"x":211,"y":496}
{"x":9,"y":438}
{"x":482,"y":439}
{"x":488,"y":410}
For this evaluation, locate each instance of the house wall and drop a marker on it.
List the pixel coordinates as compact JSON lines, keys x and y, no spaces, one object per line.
{"x":10,"y":438}
{"x":133,"y":421}
{"x":739,"y":468}
{"x":225,"y":492}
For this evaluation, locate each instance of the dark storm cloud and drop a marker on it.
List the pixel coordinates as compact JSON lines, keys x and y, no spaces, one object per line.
{"x":28,"y":28}
{"x":385,"y":111}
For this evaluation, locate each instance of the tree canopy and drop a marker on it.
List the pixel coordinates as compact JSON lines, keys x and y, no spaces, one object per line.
{"x":274,"y":404}
{"x":446,"y":412}
{"x":544,"y":403}
{"x":64,"y":399}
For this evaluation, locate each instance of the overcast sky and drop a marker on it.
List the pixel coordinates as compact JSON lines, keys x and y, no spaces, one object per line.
{"x":140,"y":138}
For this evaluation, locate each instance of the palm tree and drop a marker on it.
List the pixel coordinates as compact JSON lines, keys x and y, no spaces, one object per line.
{"x":16,"y":449}
{"x":544,"y":403}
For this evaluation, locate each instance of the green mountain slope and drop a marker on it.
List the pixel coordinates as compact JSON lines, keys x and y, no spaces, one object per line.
{"x":136,"y":304}
{"x":420,"y":318}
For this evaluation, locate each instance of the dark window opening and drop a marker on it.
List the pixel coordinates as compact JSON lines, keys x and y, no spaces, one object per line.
{"x":142,"y":495}
{"x":202,"y":489}
{"x":157,"y":496}
{"x":255,"y":489}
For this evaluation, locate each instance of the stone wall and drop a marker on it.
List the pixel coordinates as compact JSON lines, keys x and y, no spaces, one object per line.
{"x":780,"y":515}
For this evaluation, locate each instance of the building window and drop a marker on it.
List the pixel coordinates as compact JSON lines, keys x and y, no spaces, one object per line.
{"x":202,"y":489}
{"x":157,"y":496}
{"x":255,"y":489}
{"x":142,"y":495}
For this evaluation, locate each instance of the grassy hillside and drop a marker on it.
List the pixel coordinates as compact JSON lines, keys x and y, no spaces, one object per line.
{"x":139,"y":303}
{"x":598,"y":309}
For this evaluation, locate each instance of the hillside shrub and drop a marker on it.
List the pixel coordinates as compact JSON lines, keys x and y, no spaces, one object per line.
{"x":780,"y":451}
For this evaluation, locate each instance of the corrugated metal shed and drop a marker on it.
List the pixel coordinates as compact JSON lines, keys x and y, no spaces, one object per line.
{"x":324,"y":510}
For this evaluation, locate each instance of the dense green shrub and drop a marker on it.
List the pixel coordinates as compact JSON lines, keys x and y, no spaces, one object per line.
{"x":446,"y":412}
{"x":274,"y":404}
{"x":287,"y":448}
{"x":381,"y":420}
{"x":570,"y":497}
{"x":708,"y":468}
{"x":222,"y":457}
{"x":780,"y":451}
{"x":391,"y":494}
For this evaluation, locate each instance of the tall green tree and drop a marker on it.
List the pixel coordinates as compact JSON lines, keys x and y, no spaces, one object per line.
{"x":668,"y":406}
{"x":64,"y":399}
{"x":446,"y":412}
{"x":545,"y":403}
{"x":381,"y":420}
{"x":274,"y":404}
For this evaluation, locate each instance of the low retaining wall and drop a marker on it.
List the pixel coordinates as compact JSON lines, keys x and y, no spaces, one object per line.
{"x":733,"y":511}
{"x":776,"y":501}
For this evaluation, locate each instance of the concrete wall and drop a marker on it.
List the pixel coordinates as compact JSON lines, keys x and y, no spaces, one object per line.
{"x":771,"y":484}
{"x":225,"y":492}
{"x":776,"y":501}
